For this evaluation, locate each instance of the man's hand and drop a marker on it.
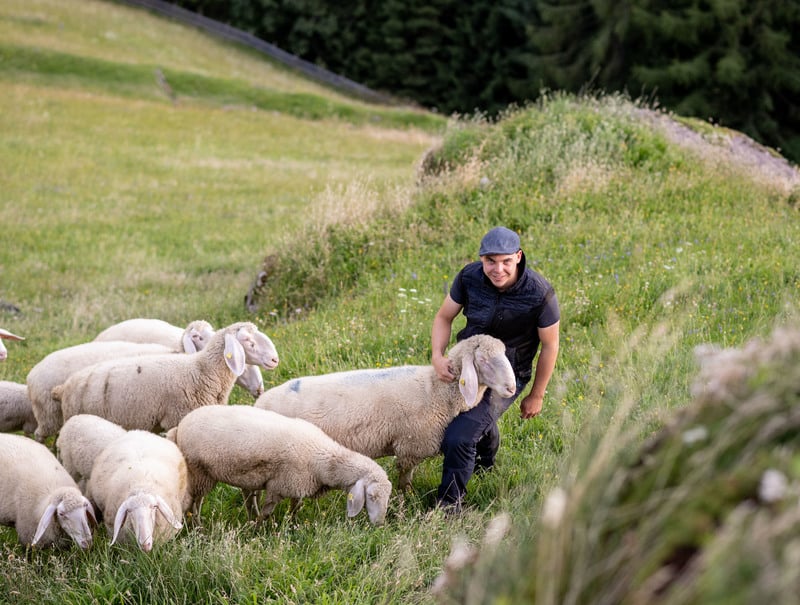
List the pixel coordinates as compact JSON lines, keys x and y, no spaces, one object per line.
{"x":531,"y":405}
{"x":441,"y":365}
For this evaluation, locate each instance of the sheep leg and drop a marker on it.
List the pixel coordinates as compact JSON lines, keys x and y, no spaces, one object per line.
{"x":266,"y":508}
{"x":251,"y":502}
{"x":405,"y":470}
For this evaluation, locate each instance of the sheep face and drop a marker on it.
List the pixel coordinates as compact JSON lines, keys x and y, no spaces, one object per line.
{"x":196,"y":336}
{"x":375,"y":494}
{"x":73,"y":513}
{"x":483,"y":361}
{"x":258,"y":348}
{"x":141,"y":510}
{"x":252,"y":380}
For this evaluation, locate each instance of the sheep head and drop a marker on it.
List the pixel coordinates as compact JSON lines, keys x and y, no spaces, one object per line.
{"x":73,"y":513}
{"x":372,"y":492}
{"x":482,"y":363}
{"x":141,"y":509}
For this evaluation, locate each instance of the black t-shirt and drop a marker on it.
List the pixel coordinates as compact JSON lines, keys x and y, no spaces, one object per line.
{"x":513,"y":316}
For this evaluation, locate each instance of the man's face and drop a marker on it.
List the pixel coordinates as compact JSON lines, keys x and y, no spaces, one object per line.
{"x":501,"y":269}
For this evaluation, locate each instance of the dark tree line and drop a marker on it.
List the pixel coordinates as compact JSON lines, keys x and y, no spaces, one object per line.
{"x":736,"y":62}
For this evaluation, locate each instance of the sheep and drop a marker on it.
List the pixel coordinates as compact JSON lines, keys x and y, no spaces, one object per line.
{"x":190,"y":340}
{"x":257,"y":450}
{"x":39,"y":498}
{"x":80,"y":442}
{"x":139,"y":483}
{"x":56,"y":367}
{"x":401,"y":411}
{"x":5,"y":334}
{"x":16,"y":413}
{"x":154,"y":392}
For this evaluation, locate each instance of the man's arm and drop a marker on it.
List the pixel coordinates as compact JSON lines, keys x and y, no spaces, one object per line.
{"x":440,"y":337}
{"x":531,"y":404}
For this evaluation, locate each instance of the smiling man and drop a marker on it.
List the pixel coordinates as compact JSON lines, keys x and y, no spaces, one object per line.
{"x":501,"y":297}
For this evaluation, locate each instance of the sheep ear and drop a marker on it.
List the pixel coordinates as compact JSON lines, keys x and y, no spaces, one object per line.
{"x":468,"y":382}
{"x":44,"y":523}
{"x":188,"y":343}
{"x":234,"y":354}
{"x":119,"y":520}
{"x":90,"y":511}
{"x":9,"y":335}
{"x":167,"y":513}
{"x":356,"y":497}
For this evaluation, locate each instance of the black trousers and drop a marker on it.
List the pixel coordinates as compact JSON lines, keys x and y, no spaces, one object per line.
{"x":471,"y":441}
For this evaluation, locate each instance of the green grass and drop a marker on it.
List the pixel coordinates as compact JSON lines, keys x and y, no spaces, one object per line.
{"x":119,"y":202}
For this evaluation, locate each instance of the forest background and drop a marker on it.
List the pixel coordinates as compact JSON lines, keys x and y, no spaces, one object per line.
{"x":734,"y":62}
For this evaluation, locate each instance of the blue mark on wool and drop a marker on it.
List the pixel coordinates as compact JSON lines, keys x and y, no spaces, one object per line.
{"x":295,"y":386}
{"x":367,"y":376}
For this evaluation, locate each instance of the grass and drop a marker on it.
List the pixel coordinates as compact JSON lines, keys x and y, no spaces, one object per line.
{"x":119,"y":202}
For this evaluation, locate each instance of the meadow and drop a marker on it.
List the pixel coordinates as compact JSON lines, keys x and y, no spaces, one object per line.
{"x":122,"y":198}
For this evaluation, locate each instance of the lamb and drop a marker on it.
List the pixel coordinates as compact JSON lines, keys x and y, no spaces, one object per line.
{"x":39,"y":498}
{"x":190,"y":340}
{"x":401,"y":411}
{"x":5,"y":334}
{"x":80,"y":442}
{"x":140,"y":483}
{"x":257,"y":450}
{"x":16,"y":413}
{"x":154,"y":392}
{"x":56,"y":367}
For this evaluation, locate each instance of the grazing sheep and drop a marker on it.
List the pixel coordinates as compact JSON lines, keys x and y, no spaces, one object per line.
{"x":16,"y":413}
{"x":154,"y":392}
{"x":191,"y":339}
{"x":287,"y":457}
{"x":140,"y":482}
{"x":5,"y":334}
{"x":80,"y":442}
{"x":39,"y":498}
{"x":401,"y":411}
{"x":56,"y":367}
{"x":156,"y":331}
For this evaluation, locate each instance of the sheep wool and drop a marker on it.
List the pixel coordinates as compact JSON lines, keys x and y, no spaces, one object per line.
{"x":39,"y":498}
{"x":154,"y":392}
{"x":140,"y":483}
{"x":257,"y":450}
{"x":16,"y":413}
{"x":191,"y":339}
{"x":400,"y":411}
{"x":59,"y":365}
{"x":80,"y":442}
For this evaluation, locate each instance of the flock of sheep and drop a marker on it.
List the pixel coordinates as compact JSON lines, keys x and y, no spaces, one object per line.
{"x":144,"y":430}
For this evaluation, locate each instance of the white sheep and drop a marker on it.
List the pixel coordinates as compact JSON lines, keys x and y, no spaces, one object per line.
{"x":401,"y":411}
{"x":56,"y":367}
{"x":39,"y":498}
{"x":286,"y":457}
{"x":6,"y":335}
{"x":80,"y":442}
{"x":16,"y":413}
{"x":140,"y":484}
{"x":190,"y":340}
{"x":154,"y":392}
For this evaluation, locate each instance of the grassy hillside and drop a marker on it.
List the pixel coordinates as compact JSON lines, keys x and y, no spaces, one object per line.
{"x":124,"y":197}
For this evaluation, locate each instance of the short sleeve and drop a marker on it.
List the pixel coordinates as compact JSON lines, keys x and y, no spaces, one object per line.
{"x":551,"y":313}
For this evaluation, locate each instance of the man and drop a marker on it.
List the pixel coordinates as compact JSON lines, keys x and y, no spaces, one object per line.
{"x":501,"y":297}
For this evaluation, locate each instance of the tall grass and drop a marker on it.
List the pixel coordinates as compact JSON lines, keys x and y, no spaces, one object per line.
{"x":119,"y":202}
